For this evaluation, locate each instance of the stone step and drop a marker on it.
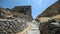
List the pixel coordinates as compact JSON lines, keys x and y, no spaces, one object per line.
{"x":34,"y":29}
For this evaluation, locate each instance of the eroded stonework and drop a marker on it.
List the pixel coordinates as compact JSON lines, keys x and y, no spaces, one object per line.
{"x":50,"y":20}
{"x":14,"y":20}
{"x":51,"y":12}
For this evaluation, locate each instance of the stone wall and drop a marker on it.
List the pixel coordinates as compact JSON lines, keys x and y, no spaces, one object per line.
{"x":25,"y":10}
{"x":14,"y":20}
{"x":51,"y":11}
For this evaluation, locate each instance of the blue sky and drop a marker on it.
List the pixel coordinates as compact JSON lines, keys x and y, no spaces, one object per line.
{"x":38,"y":6}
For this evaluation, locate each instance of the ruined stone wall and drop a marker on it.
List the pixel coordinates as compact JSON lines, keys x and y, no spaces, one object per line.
{"x":25,"y":10}
{"x":49,"y":20}
{"x":51,"y":11}
{"x":12,"y":21}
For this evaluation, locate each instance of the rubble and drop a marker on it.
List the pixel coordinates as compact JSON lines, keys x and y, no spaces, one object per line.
{"x":12,"y":21}
{"x":50,"y":19}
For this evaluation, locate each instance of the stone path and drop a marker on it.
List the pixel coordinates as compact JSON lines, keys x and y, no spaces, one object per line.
{"x":34,"y":29}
